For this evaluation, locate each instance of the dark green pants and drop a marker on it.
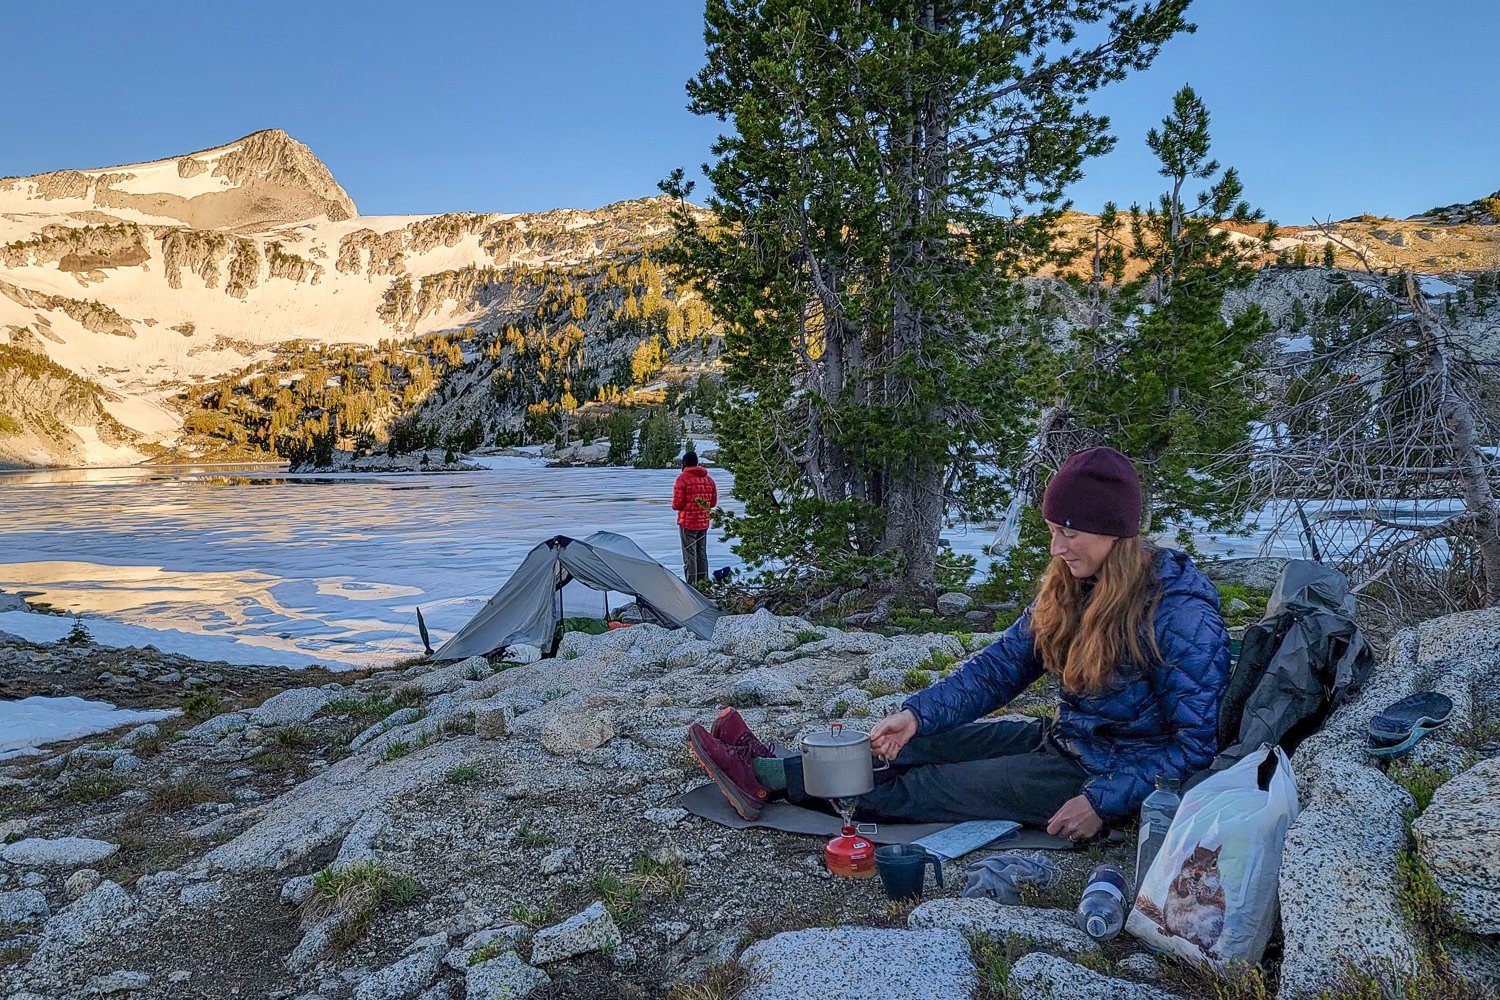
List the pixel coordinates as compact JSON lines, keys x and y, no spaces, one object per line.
{"x":694,"y":553}
{"x":984,"y":770}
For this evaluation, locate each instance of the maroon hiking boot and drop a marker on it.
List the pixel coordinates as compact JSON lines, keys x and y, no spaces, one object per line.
{"x":732,"y":771}
{"x":730,"y":729}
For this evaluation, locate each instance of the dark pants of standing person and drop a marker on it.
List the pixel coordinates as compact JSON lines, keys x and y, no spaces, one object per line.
{"x":694,"y":553}
{"x":994,"y":769}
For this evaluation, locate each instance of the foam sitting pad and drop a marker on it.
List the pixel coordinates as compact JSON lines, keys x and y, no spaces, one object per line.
{"x":708,"y":802}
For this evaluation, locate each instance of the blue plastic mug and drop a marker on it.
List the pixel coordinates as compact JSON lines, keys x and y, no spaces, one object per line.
{"x":903,"y":867}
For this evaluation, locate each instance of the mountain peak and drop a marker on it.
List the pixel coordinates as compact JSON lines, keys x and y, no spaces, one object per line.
{"x":263,"y":179}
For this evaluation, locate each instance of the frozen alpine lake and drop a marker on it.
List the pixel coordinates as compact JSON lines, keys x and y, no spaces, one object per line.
{"x":324,"y":568}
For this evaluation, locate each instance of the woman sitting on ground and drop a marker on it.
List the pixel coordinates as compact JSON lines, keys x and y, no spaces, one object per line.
{"x":1133,"y":633}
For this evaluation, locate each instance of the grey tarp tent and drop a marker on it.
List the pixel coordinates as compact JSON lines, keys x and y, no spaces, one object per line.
{"x":1305,"y":658}
{"x":528,"y":608}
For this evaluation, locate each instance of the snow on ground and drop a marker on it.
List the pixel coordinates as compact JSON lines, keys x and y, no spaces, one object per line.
{"x":243,"y":650}
{"x":506,"y":461}
{"x":39,"y":720}
{"x":1436,"y":287}
{"x":96,"y":452}
{"x":163,"y":177}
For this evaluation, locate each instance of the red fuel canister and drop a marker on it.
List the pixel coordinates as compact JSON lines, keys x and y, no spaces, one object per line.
{"x":850,"y":855}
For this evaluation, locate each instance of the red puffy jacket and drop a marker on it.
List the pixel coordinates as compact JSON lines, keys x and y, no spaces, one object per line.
{"x":693,"y":496}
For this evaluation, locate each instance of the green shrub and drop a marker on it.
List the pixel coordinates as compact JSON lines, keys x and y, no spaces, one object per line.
{"x":201,"y":704}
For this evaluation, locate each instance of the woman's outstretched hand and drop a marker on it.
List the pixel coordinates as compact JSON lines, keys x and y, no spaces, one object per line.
{"x":1076,"y":820}
{"x":892,"y":733}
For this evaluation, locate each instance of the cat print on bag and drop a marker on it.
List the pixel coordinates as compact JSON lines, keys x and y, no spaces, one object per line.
{"x":1194,"y":909}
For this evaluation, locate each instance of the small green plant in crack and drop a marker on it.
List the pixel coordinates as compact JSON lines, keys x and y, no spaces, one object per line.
{"x":404,"y":889}
{"x":1421,"y":780}
{"x":726,"y":981}
{"x":552,"y":694}
{"x":396,"y":750}
{"x":659,"y":877}
{"x":621,"y":898}
{"x":494,"y":949}
{"x":94,"y":787}
{"x":14,"y":955}
{"x":148,"y":746}
{"x":915,"y":680}
{"x":279,"y":759}
{"x":23,"y":805}
{"x":1421,"y":899}
{"x":994,"y":957}
{"x":878,"y":690}
{"x":354,"y":894}
{"x":377,"y":706}
{"x":1236,"y":981}
{"x":941,"y":662}
{"x":539,"y":916}
{"x":529,"y":836}
{"x":180,"y":794}
{"x":293,"y":737}
{"x":462,"y":773}
{"x":749,"y":698}
{"x":807,"y":635}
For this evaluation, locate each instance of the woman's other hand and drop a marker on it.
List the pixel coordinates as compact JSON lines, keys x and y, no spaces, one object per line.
{"x":1076,"y":820}
{"x":892,"y":733}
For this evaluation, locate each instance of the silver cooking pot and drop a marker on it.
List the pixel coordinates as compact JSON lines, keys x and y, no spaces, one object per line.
{"x":837,"y":764}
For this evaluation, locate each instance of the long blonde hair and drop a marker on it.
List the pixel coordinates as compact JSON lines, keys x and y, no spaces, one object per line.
{"x":1082,"y":632}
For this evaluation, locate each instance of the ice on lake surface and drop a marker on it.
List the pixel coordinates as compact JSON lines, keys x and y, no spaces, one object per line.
{"x":332,"y":567}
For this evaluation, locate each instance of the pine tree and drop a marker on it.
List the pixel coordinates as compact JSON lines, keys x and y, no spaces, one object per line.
{"x":1160,"y":373}
{"x":892,"y":167}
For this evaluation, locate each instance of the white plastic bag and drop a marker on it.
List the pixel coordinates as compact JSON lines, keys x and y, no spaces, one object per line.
{"x":1210,"y":894}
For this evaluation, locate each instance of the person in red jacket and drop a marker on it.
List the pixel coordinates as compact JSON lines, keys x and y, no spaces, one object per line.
{"x":693,"y":496}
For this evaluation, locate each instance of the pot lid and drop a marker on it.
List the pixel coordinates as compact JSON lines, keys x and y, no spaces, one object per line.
{"x":835,"y":736}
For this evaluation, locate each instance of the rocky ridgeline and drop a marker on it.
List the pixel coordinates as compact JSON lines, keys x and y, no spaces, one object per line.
{"x":480,"y":830}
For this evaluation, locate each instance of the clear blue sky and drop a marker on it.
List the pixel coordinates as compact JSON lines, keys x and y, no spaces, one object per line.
{"x":1328,"y":107}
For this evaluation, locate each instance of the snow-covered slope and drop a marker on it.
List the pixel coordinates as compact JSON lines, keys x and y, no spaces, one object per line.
{"x":140,"y":279}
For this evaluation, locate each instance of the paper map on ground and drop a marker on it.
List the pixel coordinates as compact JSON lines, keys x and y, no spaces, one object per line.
{"x":961,"y":838}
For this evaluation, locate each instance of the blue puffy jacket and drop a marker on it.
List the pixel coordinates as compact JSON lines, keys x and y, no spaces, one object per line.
{"x":1153,"y":720}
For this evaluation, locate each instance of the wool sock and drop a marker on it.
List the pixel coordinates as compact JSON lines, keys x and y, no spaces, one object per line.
{"x":771,"y":772}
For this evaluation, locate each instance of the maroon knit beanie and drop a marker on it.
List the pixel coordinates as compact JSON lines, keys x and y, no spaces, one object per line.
{"x":1095,"y":490}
